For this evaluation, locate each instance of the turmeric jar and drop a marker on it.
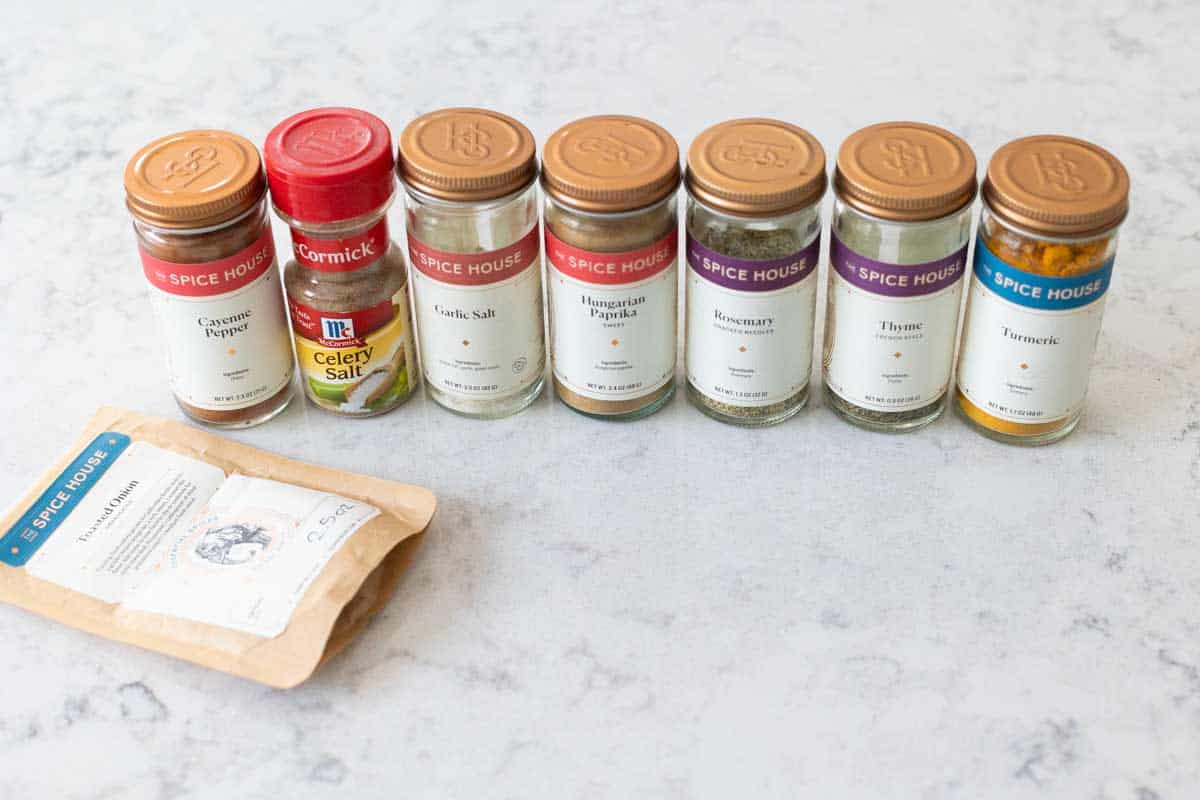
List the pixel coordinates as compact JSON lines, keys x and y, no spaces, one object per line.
{"x":470,"y":177}
{"x":1043,"y":262}
{"x":754,"y":189}
{"x":199,"y":206}
{"x":612,"y":241}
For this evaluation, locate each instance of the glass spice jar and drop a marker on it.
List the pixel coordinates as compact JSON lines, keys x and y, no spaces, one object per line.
{"x":1043,"y":262}
{"x":904,"y":193}
{"x":753,"y":244}
{"x":473,"y":240}
{"x":330,"y":171}
{"x":612,"y":238}
{"x":198,"y":201}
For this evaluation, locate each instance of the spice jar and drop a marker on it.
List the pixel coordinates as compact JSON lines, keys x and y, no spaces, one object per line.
{"x":753,"y":243}
{"x":901,"y":226}
{"x":330,"y":171}
{"x":611,"y":244}
{"x":471,"y":181}
{"x":1043,"y":261}
{"x":198,"y":201}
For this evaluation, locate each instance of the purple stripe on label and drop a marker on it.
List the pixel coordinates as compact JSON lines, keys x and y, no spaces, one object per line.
{"x":897,"y":280}
{"x":743,"y":275}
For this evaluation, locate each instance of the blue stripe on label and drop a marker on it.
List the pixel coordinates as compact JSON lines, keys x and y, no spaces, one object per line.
{"x":1040,"y":291}
{"x":58,"y":501}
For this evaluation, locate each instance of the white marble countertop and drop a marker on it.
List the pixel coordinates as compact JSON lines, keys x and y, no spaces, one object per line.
{"x":670,"y":608}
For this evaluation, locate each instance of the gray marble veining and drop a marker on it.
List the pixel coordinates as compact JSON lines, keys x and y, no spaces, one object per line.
{"x":670,"y":608}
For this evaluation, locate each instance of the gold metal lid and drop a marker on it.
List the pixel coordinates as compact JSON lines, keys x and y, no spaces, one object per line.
{"x":610,"y":163}
{"x":194,"y":179}
{"x":466,"y":154}
{"x":905,"y":171}
{"x":1057,"y":185}
{"x":756,"y":166}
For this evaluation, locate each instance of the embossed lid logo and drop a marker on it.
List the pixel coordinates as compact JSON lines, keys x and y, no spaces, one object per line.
{"x":907,"y":159}
{"x":468,"y":139}
{"x":757,"y":153}
{"x":1056,"y":170}
{"x":196,"y":162}
{"x":332,"y":141}
{"x":612,"y":148}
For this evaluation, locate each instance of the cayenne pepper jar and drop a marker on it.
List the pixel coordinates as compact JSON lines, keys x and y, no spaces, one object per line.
{"x":471,"y":181}
{"x":330,"y":171}
{"x":753,"y":244}
{"x":1043,"y":262}
{"x":198,"y":201}
{"x":612,"y":238}
{"x":898,"y":253}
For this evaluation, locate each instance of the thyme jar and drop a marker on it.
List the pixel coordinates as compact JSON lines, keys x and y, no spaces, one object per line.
{"x":612,"y":240}
{"x":1047,"y":242}
{"x":331,"y":179}
{"x":904,"y":193}
{"x":471,"y":186}
{"x":198,"y":201}
{"x":753,"y":244}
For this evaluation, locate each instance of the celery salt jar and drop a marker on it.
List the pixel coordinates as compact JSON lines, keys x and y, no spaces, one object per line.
{"x":471,"y":183}
{"x":898,"y":252}
{"x":753,"y":243}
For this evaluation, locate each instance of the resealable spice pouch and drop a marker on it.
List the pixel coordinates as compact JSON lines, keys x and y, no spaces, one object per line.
{"x":158,"y":534}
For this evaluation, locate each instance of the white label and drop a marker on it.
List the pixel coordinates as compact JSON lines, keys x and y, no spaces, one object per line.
{"x":1024,"y":364}
{"x":168,"y":534}
{"x":613,"y":337}
{"x":227,"y":351}
{"x":749,"y":348}
{"x":481,"y":341}
{"x":889,"y":353}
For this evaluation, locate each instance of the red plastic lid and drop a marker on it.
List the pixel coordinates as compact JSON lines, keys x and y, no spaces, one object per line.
{"x":329,"y":164}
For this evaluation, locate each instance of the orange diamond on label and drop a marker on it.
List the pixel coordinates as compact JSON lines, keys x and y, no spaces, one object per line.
{"x":1024,"y":365}
{"x":466,"y":342}
{"x":616,"y":342}
{"x":232,"y":351}
{"x":896,"y":354}
{"x":742,"y":349}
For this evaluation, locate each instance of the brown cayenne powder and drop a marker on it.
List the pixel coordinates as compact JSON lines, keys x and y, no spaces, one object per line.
{"x":198,"y":201}
{"x":611,"y":247}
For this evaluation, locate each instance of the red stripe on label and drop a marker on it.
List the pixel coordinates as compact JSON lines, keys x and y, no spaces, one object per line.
{"x":212,"y":278}
{"x":341,"y":255}
{"x":338,"y":328}
{"x":475,"y":269}
{"x":612,"y":269}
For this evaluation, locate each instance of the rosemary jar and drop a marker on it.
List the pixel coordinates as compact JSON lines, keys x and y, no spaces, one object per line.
{"x":330,"y":171}
{"x":198,"y":201}
{"x":1043,"y":262}
{"x":904,"y":193}
{"x":753,"y":244}
{"x":612,"y":240}
{"x":471,"y":185}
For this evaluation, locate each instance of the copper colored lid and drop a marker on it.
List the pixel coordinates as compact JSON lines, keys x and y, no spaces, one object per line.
{"x":610,"y":163}
{"x":466,"y":154}
{"x":194,"y":179}
{"x":905,"y":171}
{"x":756,"y":166}
{"x":1057,"y":185}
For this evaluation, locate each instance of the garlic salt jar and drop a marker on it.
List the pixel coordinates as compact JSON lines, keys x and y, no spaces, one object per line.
{"x":753,"y":244}
{"x":199,"y":207}
{"x":471,"y":183}
{"x":612,"y":240}
{"x":898,"y":255}
{"x":1043,"y":261}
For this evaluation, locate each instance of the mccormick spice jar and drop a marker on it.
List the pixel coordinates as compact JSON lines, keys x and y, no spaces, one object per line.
{"x":898,"y":254}
{"x":330,"y":171}
{"x":198,"y":201}
{"x":471,"y":180}
{"x":1043,"y":261}
{"x":611,"y":244}
{"x":753,"y":242}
